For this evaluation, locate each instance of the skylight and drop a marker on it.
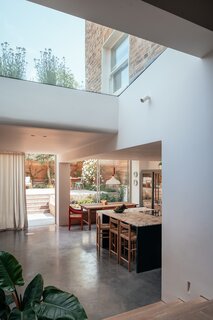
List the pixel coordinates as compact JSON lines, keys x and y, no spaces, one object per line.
{"x":43,"y":45}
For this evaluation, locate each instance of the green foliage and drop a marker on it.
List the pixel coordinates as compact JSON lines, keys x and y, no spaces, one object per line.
{"x":41,"y":158}
{"x":86,"y":200}
{"x":89,"y":174}
{"x":10,"y":272}
{"x":112,"y":195}
{"x":51,"y":70}
{"x":38,"y":303}
{"x":12,"y":62}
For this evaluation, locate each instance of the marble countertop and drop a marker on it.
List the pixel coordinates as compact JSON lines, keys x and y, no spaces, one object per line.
{"x":138,"y":217}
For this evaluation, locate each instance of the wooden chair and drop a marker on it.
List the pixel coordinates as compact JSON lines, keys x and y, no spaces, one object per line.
{"x":127,"y":244}
{"x":102,"y":232}
{"x":75,"y":215}
{"x":114,"y":237}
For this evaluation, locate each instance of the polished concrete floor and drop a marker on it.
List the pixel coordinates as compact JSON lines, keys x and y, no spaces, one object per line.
{"x":68,"y":260}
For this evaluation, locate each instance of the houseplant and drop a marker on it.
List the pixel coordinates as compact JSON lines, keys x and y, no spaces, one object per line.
{"x":38,"y":303}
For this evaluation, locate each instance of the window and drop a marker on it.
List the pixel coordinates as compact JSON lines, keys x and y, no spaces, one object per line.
{"x":115,"y":63}
{"x":119,"y":76}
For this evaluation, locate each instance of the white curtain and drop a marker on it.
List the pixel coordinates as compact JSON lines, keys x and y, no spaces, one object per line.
{"x":13,"y":214}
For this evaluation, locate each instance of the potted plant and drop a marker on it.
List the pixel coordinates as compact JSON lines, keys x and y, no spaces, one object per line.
{"x":37,"y":303}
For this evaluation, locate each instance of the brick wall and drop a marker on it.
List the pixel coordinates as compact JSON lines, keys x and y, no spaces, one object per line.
{"x":95,"y":36}
{"x":140,"y":53}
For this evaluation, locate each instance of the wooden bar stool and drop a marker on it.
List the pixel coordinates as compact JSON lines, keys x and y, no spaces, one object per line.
{"x":114,"y":237}
{"x":102,"y":232}
{"x":127,"y":244}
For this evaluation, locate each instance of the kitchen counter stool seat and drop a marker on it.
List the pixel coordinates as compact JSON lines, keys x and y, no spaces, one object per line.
{"x":114,"y":237}
{"x":102,"y":232}
{"x":127,"y":244}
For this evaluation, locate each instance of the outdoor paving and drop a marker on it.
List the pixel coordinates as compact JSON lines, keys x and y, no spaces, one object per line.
{"x":40,"y":219}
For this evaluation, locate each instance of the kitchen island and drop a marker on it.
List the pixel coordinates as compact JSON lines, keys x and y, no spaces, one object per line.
{"x":148,"y":231}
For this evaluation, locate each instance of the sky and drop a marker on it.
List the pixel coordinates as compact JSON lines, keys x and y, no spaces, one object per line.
{"x":34,"y":27}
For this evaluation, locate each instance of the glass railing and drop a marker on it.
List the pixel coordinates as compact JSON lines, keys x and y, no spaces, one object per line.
{"x":43,"y":45}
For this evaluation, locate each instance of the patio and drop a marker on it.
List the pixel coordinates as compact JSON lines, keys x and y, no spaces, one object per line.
{"x":38,"y":215}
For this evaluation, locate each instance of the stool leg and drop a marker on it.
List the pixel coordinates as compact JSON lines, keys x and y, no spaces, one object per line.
{"x":117,"y":246}
{"x":129,"y":255}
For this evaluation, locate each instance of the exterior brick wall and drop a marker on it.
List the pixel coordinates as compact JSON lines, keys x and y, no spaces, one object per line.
{"x":140,"y":53}
{"x":95,"y":36}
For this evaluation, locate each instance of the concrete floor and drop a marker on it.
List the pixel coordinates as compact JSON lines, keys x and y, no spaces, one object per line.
{"x":68,"y":260}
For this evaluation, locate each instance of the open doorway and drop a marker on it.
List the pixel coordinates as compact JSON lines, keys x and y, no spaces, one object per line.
{"x":40,"y":189}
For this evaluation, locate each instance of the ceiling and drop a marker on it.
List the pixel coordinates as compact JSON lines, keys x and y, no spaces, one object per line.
{"x":196,"y":11}
{"x":38,"y":140}
{"x":147,"y":152}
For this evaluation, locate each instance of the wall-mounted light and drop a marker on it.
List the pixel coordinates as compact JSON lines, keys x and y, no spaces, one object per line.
{"x":144,"y":99}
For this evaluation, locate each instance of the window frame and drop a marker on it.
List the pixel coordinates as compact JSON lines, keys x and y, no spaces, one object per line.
{"x":115,"y":39}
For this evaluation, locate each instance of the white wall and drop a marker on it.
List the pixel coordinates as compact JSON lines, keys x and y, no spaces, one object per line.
{"x":135,"y":181}
{"x":180,"y":114}
{"x":29,"y":103}
{"x":62,"y":193}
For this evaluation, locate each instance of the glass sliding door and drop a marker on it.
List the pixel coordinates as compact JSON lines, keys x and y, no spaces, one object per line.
{"x":114,"y":180}
{"x":96,"y":180}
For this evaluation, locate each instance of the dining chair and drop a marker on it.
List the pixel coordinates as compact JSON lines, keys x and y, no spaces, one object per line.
{"x":102,"y":232}
{"x":127,"y":244}
{"x":75,"y":215}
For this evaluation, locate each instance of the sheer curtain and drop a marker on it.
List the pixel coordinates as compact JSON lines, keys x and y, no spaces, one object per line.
{"x":13,"y":214}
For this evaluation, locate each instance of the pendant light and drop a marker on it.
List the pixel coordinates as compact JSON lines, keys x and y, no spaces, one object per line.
{"x":113,"y":180}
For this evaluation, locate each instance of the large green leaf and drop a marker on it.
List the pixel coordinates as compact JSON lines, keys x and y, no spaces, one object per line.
{"x":9,"y":299}
{"x":10,"y":272}
{"x":2,"y":297}
{"x":33,"y":292}
{"x":4,"y":308}
{"x":27,"y":314}
{"x":59,"y":304}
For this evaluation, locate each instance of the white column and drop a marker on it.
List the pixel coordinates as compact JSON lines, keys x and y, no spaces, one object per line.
{"x":62,"y":193}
